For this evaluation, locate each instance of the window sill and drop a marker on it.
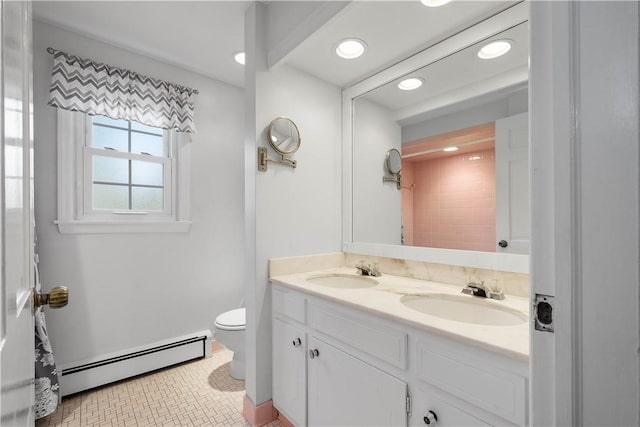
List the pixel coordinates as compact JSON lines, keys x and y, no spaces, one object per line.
{"x":128,"y":227}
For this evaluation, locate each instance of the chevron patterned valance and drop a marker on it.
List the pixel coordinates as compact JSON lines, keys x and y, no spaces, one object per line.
{"x":79,"y":84}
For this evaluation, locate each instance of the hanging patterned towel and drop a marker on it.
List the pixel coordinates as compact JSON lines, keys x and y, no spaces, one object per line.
{"x":47,"y":387}
{"x":47,"y":394}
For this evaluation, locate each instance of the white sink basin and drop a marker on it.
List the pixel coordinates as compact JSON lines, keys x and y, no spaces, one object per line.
{"x":344,"y":281}
{"x":463,"y":308}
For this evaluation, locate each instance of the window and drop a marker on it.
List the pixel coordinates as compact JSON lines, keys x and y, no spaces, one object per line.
{"x":127,"y":166}
{"x":120,"y":176}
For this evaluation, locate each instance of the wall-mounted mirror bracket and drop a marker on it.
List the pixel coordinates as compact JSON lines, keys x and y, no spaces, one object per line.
{"x":263,"y":159}
{"x":397,"y":178}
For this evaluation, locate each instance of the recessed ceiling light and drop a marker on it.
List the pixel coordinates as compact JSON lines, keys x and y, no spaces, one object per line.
{"x":350,"y":48}
{"x":434,"y":3}
{"x":239,"y":57}
{"x":450,"y":149}
{"x":410,"y":83}
{"x":494,"y":49}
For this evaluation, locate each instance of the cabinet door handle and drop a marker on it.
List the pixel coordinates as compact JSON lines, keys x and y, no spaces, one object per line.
{"x":431,"y":418}
{"x":503,"y":243}
{"x":297,"y":342}
{"x":314,"y":353}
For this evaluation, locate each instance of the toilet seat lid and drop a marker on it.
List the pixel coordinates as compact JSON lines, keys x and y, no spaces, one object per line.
{"x":235,"y":319}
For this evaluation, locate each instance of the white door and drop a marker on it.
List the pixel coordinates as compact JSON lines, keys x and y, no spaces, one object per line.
{"x":16,"y":231}
{"x":345,"y":391}
{"x":512,"y":184}
{"x":585,"y":213}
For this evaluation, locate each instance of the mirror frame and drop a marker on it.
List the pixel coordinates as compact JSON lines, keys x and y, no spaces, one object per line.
{"x":515,"y":15}
{"x":270,"y":136}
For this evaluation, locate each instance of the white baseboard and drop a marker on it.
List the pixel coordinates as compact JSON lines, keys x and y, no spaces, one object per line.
{"x":109,"y":368}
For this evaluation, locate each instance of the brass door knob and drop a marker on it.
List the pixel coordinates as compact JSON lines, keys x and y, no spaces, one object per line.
{"x":58,"y":297}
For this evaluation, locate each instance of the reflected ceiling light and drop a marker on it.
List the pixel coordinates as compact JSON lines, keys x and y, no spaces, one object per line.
{"x":350,"y":48}
{"x":410,"y":83}
{"x":239,"y":57}
{"x":450,"y":149}
{"x":494,"y":49}
{"x":434,"y":3}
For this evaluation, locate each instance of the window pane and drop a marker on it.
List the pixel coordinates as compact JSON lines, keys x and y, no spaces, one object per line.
{"x":147,"y":199}
{"x":12,"y":160}
{"x":110,"y":169}
{"x":117,"y":139}
{"x":146,"y":173}
{"x":110,"y":196}
{"x":13,"y":193}
{"x":145,"y":143}
{"x":145,"y":128}
{"x":111,"y":122}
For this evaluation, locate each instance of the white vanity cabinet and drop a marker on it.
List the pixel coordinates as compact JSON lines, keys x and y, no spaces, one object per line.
{"x":319,"y":384}
{"x":290,"y":371}
{"x":470,"y":381}
{"x":352,"y":367}
{"x":289,"y":355}
{"x":345,"y":391}
{"x":431,"y":409}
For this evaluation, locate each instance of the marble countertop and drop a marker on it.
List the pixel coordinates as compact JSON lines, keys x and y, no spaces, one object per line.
{"x":384,"y":300}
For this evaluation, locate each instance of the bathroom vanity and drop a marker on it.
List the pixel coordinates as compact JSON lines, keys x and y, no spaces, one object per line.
{"x":407,"y":348}
{"x":391,"y":350}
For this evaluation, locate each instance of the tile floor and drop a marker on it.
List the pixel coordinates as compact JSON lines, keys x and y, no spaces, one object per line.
{"x":199,"y":393}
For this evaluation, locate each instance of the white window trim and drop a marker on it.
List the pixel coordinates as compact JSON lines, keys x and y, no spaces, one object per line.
{"x":72,"y":129}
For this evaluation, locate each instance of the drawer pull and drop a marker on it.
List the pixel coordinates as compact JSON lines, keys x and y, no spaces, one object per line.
{"x":431,"y":418}
{"x":314,"y":353}
{"x":297,"y":342}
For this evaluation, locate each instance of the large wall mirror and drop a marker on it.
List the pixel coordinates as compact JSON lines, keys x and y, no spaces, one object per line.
{"x":462,"y":132}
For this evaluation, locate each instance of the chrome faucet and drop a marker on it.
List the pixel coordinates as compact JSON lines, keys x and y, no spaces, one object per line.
{"x":367,"y":270}
{"x":478,"y":289}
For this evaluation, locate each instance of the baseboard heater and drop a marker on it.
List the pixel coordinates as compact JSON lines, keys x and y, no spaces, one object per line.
{"x":113,"y":367}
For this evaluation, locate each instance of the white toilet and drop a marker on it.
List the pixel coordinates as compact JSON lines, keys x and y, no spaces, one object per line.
{"x":229,"y":331}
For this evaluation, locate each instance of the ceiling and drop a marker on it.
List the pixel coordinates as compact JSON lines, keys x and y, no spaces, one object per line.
{"x":392,"y":30}
{"x":200,"y":36}
{"x":458,"y":72}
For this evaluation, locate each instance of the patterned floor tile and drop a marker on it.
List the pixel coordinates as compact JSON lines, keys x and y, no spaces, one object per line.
{"x":199,"y":393}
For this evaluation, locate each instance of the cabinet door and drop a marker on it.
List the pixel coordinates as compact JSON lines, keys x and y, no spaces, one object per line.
{"x":289,"y":371}
{"x":344,"y":391}
{"x":430,"y":403}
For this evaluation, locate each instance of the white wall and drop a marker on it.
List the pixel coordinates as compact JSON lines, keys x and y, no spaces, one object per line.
{"x":377,"y":210}
{"x":289,"y":211}
{"x":129,"y":290}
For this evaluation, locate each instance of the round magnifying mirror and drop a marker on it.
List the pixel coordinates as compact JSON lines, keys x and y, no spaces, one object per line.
{"x":284,"y":136}
{"x":394,"y":161}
